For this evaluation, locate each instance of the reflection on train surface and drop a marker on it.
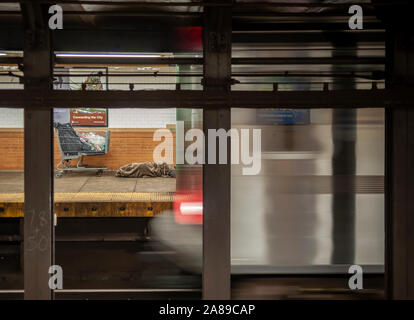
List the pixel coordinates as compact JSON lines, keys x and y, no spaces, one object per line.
{"x":315,"y":208}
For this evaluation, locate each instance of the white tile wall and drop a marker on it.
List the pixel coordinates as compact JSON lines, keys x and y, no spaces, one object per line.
{"x":11,"y":118}
{"x":141,"y":118}
{"x":118,"y":118}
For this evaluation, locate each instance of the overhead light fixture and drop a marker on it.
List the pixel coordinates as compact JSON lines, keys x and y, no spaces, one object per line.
{"x":3,"y":54}
{"x":103,"y":55}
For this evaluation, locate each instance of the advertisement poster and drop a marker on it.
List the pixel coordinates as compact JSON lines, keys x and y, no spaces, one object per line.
{"x":90,"y":117}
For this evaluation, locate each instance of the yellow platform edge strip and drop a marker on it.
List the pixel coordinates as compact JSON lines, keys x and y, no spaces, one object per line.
{"x":97,"y":197}
{"x":95,"y":204}
{"x":93,"y":209}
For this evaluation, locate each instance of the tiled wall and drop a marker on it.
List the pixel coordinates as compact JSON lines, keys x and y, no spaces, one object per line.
{"x":141,"y":118}
{"x":126,"y":146}
{"x":118,"y":118}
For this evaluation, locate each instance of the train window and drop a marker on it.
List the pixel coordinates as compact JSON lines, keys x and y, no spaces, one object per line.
{"x":315,"y":208}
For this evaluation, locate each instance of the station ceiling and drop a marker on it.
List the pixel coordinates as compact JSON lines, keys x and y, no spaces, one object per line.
{"x":132,"y":26}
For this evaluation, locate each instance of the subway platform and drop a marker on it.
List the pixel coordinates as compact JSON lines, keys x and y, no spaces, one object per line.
{"x":87,"y":195}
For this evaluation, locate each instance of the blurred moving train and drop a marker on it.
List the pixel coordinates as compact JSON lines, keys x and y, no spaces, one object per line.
{"x":316,"y":207}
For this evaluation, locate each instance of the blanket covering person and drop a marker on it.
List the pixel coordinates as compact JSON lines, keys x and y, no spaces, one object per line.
{"x":146,"y":170}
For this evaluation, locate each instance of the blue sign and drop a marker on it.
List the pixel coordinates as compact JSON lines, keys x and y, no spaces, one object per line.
{"x":283,"y":116}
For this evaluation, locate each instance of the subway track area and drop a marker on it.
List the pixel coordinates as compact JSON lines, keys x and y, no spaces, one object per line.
{"x":104,"y":242}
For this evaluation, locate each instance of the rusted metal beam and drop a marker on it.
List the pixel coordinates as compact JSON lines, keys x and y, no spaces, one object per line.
{"x":399,"y":221}
{"x":125,"y":60}
{"x":380,"y":98}
{"x":234,"y":61}
{"x":38,"y":156}
{"x":207,"y":3}
{"x":292,"y":61}
{"x":216,"y":177}
{"x":88,"y":20}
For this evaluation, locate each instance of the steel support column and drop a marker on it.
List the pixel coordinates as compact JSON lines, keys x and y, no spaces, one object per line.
{"x":216,"y":177}
{"x":400,"y":169}
{"x":38,"y":156}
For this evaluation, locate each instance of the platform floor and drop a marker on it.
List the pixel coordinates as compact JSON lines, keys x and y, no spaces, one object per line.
{"x":84,"y":194}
